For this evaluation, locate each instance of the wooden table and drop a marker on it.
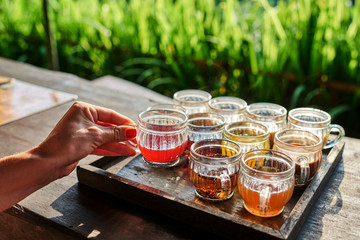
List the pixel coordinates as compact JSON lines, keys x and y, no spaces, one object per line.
{"x":66,"y":210}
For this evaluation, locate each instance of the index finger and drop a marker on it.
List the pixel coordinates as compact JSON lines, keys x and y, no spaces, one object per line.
{"x":110,"y":116}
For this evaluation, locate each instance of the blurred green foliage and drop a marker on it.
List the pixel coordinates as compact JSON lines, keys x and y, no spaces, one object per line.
{"x":291,"y":52}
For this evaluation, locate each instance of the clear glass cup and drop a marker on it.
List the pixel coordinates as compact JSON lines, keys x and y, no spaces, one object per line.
{"x":272,"y":115}
{"x":266,"y":181}
{"x":204,"y":126}
{"x":162,"y":137}
{"x":175,"y":107}
{"x":249,"y":135}
{"x":231,"y":108}
{"x":305,"y":148}
{"x":318,"y":122}
{"x":193,"y":100}
{"x":213,"y":168}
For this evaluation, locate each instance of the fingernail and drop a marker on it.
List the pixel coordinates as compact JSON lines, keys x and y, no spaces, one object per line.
{"x":131,"y":133}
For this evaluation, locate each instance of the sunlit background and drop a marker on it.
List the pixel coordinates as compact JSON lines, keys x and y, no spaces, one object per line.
{"x":294,"y":53}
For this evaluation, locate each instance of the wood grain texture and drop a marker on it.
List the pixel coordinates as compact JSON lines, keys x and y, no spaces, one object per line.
{"x":87,"y":212}
{"x":172,"y":190}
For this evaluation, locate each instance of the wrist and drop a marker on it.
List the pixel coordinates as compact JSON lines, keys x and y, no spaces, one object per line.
{"x":46,"y":162}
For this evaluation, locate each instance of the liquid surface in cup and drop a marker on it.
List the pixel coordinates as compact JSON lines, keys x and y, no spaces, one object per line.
{"x":192,"y":98}
{"x":266,"y":113}
{"x":204,"y":122}
{"x":246,"y":132}
{"x":311,"y":119}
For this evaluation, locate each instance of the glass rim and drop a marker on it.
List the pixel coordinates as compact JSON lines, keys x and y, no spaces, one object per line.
{"x":272,"y":174}
{"x":167,"y":106}
{"x":192,"y":91}
{"x":143,"y":124}
{"x":228,"y":99}
{"x":245,"y":124}
{"x":313,"y":111}
{"x":280,"y":109}
{"x":314,"y":147}
{"x":213,"y":161}
{"x":203,"y":116}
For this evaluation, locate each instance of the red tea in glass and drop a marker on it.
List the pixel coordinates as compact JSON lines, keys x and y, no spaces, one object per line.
{"x":162,"y":136}
{"x":162,"y":156}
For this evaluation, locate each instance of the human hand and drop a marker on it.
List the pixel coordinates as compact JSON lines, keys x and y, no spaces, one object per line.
{"x":87,"y":129}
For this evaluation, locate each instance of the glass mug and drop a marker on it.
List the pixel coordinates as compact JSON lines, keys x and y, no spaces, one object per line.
{"x":316,"y":121}
{"x":266,"y":181}
{"x":175,"y":107}
{"x":231,"y":108}
{"x":272,"y":115}
{"x":249,"y":135}
{"x":213,"y":168}
{"x":161,"y":137}
{"x":204,"y":126}
{"x":194,"y":101}
{"x":305,"y":148}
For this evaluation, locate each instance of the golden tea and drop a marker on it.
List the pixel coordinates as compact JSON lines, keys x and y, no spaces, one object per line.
{"x":266,"y":181}
{"x":212,"y":186}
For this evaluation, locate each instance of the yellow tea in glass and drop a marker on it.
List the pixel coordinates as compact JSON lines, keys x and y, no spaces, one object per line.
{"x":273,"y":116}
{"x":249,"y":135}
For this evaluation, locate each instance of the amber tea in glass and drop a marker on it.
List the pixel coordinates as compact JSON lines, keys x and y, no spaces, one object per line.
{"x":266,"y":181}
{"x":213,"y":168}
{"x":305,"y":148}
{"x":273,"y":116}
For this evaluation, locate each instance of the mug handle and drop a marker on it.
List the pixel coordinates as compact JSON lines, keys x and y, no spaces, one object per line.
{"x":341,"y":133}
{"x":225,"y":182}
{"x":264,"y":201}
{"x":304,"y":170}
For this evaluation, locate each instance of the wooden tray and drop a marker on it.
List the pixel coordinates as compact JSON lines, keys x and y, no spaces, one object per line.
{"x":170,"y":192}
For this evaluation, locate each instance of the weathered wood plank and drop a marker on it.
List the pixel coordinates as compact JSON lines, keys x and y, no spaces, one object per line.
{"x":163,"y":189}
{"x":13,"y":227}
{"x":336,"y":213}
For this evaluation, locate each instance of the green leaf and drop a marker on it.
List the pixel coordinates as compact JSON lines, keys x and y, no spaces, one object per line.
{"x":161,"y":81}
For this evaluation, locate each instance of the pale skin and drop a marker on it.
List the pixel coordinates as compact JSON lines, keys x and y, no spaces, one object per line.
{"x":84,"y":129}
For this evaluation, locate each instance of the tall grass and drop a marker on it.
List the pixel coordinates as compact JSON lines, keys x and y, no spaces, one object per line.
{"x":286,"y":53}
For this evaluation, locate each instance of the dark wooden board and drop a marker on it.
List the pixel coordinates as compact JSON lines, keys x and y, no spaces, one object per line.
{"x":170,"y":192}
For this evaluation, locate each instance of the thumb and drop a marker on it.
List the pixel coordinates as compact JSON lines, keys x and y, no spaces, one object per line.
{"x":118,"y":133}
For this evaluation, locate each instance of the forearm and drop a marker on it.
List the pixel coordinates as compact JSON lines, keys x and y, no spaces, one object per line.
{"x":23,"y":174}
